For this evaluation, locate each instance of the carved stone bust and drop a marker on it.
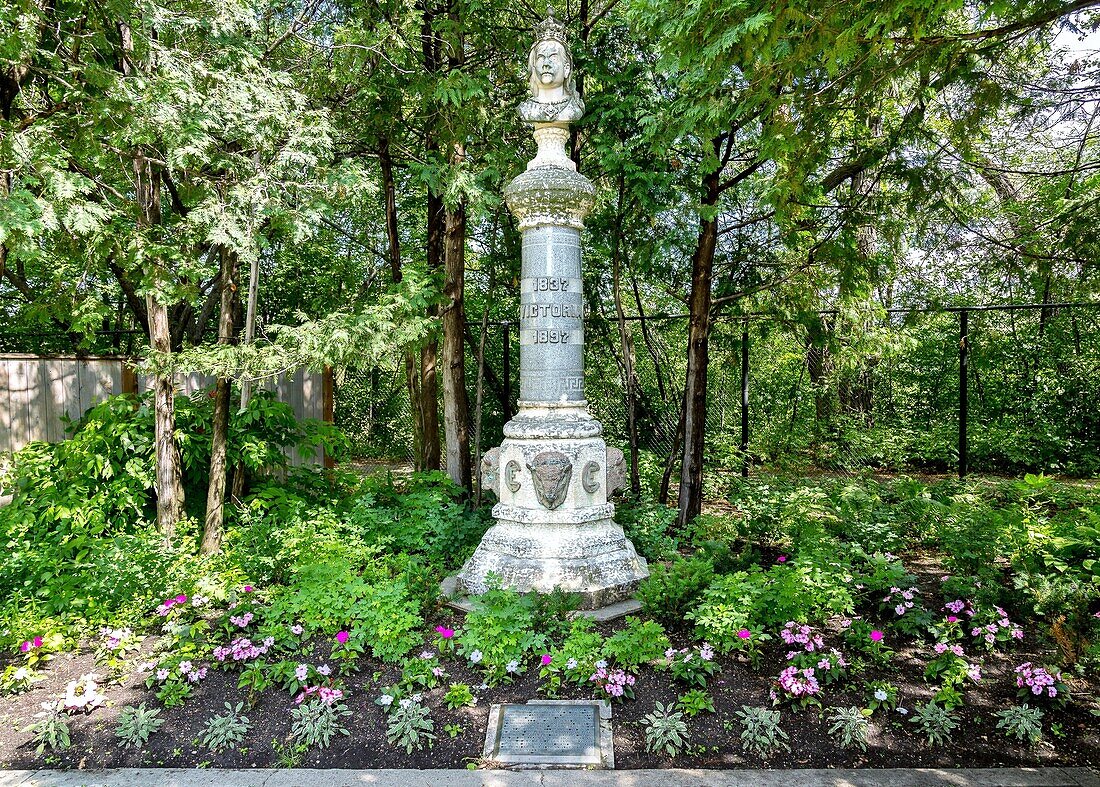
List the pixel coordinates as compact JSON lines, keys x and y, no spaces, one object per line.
{"x":554,"y":96}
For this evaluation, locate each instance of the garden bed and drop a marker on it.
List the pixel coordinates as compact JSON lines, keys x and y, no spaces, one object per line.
{"x":713,"y":738}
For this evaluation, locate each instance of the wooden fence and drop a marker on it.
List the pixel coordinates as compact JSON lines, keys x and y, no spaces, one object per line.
{"x":35,"y":392}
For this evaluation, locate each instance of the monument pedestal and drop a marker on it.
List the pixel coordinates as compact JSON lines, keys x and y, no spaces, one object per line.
{"x":554,"y":525}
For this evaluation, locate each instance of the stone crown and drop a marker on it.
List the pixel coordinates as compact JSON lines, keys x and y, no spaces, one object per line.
{"x":550,"y":29}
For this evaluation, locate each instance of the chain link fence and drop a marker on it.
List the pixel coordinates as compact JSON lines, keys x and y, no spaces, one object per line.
{"x":823,"y":392}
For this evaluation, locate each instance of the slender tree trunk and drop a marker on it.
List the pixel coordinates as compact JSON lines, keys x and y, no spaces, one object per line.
{"x":393,"y":239}
{"x":215,"y":491}
{"x":698,"y":357}
{"x":626,"y":343}
{"x":246,"y":385}
{"x":169,"y":483}
{"x":429,"y":354}
{"x":456,"y":405}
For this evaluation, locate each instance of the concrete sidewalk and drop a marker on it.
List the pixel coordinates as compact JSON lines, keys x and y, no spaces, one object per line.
{"x":900,"y":777}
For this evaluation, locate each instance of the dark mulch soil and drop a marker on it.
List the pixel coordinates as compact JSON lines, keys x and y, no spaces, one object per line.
{"x":714,"y":743}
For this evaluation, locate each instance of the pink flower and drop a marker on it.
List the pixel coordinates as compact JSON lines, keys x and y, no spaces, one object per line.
{"x":781,"y":559}
{"x":247,"y":588}
{"x":546,"y":659}
{"x":38,"y":642}
{"x":744,"y":633}
{"x":25,"y":646}
{"x":876,"y":636}
{"x":342,"y":637}
{"x":180,"y":599}
{"x":444,"y":632}
{"x":952,"y":619}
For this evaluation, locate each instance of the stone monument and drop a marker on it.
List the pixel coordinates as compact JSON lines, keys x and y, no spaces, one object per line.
{"x":553,"y":474}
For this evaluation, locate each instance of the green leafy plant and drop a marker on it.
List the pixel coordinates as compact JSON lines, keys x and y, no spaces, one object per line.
{"x":849,"y":726}
{"x":136,"y":724}
{"x":760,"y":731}
{"x":225,"y":730}
{"x":671,"y":592}
{"x":881,"y":695}
{"x":1021,"y":722}
{"x":315,"y":723}
{"x":410,"y":727}
{"x":935,"y":722}
{"x":51,"y":731}
{"x":458,"y":695}
{"x":665,"y":731}
{"x":500,"y":630}
{"x":694,"y":702}
{"x":640,"y":642}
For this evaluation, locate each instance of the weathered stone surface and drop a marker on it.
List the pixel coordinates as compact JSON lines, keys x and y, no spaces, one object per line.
{"x":490,"y":470}
{"x":616,"y":470}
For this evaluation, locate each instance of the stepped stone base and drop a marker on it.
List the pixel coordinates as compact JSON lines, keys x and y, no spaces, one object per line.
{"x":592,"y":559}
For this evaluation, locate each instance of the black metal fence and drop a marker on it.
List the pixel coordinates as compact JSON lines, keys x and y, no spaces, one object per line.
{"x":1007,"y":388}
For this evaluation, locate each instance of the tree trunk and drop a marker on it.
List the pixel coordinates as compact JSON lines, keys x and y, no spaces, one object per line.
{"x":246,"y":384}
{"x":429,"y":380}
{"x":695,"y":388}
{"x":215,"y":491}
{"x":626,"y":343}
{"x":393,"y":241}
{"x":456,"y":405}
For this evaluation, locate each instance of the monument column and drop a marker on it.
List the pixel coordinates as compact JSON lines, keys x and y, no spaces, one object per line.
{"x":553,"y":474}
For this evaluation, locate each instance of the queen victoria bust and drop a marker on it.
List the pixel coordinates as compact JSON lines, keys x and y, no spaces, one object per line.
{"x":554,"y":96}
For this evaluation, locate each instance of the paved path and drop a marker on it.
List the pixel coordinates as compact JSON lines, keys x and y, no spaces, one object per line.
{"x":920,"y":777}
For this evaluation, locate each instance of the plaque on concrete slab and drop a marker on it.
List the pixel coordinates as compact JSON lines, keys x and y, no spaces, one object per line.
{"x":551,"y":734}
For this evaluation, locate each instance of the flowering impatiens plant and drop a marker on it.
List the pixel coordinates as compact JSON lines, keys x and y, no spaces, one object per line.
{"x":422,"y":672}
{"x":990,"y":628}
{"x":347,"y":650}
{"x":82,"y":695}
{"x":800,"y":637}
{"x":1036,"y":682}
{"x":953,"y":669}
{"x":692,"y":665}
{"x":616,"y":683}
{"x":881,"y":695}
{"x":799,"y":686}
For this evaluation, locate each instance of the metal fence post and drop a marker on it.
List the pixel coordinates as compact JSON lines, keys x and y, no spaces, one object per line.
{"x":745,"y":402}
{"x":964,"y":367}
{"x":507,"y":373}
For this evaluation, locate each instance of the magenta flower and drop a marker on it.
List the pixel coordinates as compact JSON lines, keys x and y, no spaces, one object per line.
{"x":342,"y":637}
{"x":180,"y":599}
{"x":876,"y":636}
{"x":781,"y":559}
{"x":546,"y":659}
{"x":952,"y":619}
{"x":444,"y":632}
{"x":247,"y":588}
{"x":25,"y":646}
{"x":744,"y":633}
{"x":38,"y":642}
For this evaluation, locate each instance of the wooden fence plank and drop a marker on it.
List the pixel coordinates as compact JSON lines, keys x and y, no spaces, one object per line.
{"x":5,"y":408}
{"x":60,"y":380}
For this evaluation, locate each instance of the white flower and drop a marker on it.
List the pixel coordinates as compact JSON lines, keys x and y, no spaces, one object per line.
{"x":571,"y":664}
{"x":903,"y":711}
{"x":385,"y":700}
{"x":475,"y":657}
{"x":881,"y":695}
{"x":406,"y":703}
{"x":512,"y":666}
{"x":83,"y":694}
{"x":427,"y":654}
{"x":601,"y":664}
{"x":21,"y":674}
